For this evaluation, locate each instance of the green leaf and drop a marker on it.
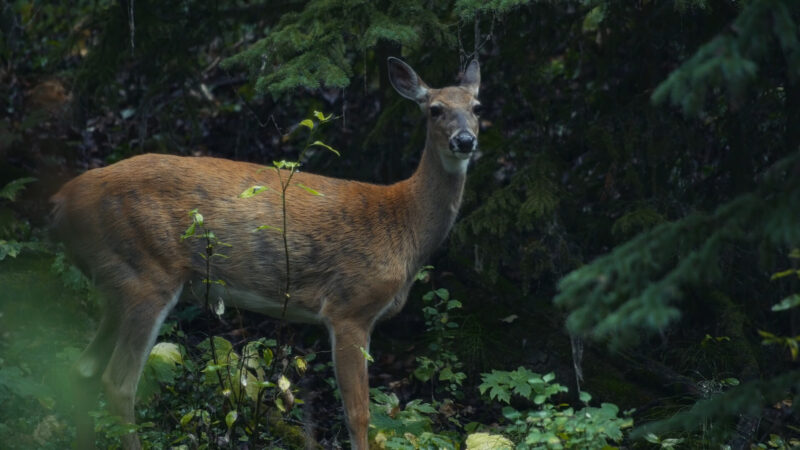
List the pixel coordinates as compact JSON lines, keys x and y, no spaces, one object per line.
{"x":268,"y":355}
{"x":230,"y":418}
{"x":268,"y":227}
{"x":189,"y":232}
{"x":453,"y":304}
{"x":366,"y":354}
{"x":310,"y":190}
{"x":585,"y":397}
{"x":321,"y":117}
{"x":593,"y":19}
{"x":14,"y":187}
{"x":253,"y":191}
{"x":187,"y":418}
{"x":652,"y":438}
{"x":308,"y":123}
{"x":324,"y":145}
{"x":782,"y":274}
{"x":442,"y":293}
{"x":787,"y":303}
{"x":423,"y":274}
{"x":488,"y":441}
{"x":283,"y":383}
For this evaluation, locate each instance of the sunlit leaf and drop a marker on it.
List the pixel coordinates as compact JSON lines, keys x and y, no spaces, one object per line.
{"x":300,"y":364}
{"x":283,"y":383}
{"x":784,"y":273}
{"x":230,"y":418}
{"x":324,"y":145}
{"x":308,"y":123}
{"x":321,"y":117}
{"x":269,"y":227}
{"x":187,"y":418}
{"x":486,"y":441}
{"x":787,"y":303}
{"x":253,"y":191}
{"x":310,"y":190}
{"x":366,"y":354}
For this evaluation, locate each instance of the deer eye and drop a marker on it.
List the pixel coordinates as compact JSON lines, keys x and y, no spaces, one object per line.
{"x":477,"y":110}
{"x":436,"y":110}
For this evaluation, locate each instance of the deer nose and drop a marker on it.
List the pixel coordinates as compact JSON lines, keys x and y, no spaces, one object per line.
{"x":464,"y":142}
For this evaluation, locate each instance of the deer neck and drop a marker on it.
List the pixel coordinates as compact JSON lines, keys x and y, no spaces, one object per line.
{"x":437,"y":187}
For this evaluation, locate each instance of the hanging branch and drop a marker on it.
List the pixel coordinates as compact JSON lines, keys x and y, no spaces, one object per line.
{"x":131,"y":24}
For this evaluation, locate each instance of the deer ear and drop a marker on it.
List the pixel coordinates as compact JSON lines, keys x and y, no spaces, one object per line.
{"x":406,"y":82}
{"x":472,"y":77}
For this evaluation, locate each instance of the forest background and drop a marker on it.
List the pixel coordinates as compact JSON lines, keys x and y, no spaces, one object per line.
{"x":629,"y":226}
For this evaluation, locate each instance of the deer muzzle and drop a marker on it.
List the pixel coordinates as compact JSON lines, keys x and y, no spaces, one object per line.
{"x":463,"y":143}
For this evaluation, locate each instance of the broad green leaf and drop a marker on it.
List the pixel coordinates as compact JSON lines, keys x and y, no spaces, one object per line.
{"x":652,"y":438}
{"x":585,"y":397}
{"x":230,"y":418}
{"x":321,"y":117}
{"x":268,"y":355}
{"x":486,"y":441}
{"x":167,"y":352}
{"x":308,"y":123}
{"x":187,"y":418}
{"x":593,"y":19}
{"x":310,"y":190}
{"x":324,"y":145}
{"x":300,"y":364}
{"x":443,"y":294}
{"x":423,"y":274}
{"x":189,"y":233}
{"x":283,"y":383}
{"x":787,"y":303}
{"x":253,"y":191}
{"x":453,"y":304}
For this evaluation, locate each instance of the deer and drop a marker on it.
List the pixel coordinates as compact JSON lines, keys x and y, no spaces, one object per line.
{"x":354,"y":251}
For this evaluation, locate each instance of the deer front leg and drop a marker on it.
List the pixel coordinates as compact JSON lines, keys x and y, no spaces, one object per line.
{"x":350,"y":364}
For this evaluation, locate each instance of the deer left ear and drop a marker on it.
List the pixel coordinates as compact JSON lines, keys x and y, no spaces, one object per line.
{"x":472,"y":77}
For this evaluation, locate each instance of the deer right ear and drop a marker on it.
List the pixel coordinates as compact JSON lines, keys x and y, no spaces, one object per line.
{"x":406,"y":82}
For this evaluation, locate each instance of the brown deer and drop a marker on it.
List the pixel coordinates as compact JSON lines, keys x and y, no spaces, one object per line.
{"x":353,"y":251}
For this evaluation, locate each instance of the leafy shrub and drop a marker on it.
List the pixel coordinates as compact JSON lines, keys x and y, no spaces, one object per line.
{"x":440,"y":363}
{"x":408,"y":428}
{"x":552,"y":426}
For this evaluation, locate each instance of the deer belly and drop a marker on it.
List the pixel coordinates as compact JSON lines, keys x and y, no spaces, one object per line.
{"x":259,"y":303}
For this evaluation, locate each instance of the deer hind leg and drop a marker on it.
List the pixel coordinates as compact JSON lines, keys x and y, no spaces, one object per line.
{"x":348,"y":339}
{"x":86,"y":376}
{"x":144,"y":312}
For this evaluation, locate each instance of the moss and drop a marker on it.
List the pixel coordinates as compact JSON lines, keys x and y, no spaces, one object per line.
{"x":291,"y":436}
